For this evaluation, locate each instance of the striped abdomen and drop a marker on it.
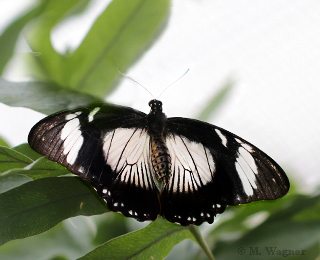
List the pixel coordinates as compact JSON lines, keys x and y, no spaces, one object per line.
{"x":161,"y":160}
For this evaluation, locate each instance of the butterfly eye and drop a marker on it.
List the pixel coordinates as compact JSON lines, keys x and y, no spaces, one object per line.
{"x":155,"y":105}
{"x":151,"y":103}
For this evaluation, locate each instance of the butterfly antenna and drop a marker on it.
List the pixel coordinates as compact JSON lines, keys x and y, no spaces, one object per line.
{"x":173,"y":83}
{"x":126,"y":76}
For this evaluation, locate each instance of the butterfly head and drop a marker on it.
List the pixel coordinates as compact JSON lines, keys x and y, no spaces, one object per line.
{"x":156,"y":106}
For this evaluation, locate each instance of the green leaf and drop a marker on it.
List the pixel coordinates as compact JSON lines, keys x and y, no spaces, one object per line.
{"x":152,"y":242}
{"x":123,"y":30}
{"x":42,"y":97}
{"x":40,"y":33}
{"x":242,"y":215}
{"x":280,"y":230}
{"x":10,"y":35}
{"x":116,"y":224}
{"x":310,"y":253}
{"x":3,"y":143}
{"x":35,"y":167}
{"x":216,"y":101}
{"x":27,"y":151}
{"x":10,"y":159}
{"x":12,"y":181}
{"x":116,"y":39}
{"x":70,"y":238}
{"x":41,"y":168}
{"x":37,"y":206}
{"x":309,"y":213}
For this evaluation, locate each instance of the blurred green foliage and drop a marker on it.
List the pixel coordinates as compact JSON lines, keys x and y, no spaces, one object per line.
{"x":37,"y":209}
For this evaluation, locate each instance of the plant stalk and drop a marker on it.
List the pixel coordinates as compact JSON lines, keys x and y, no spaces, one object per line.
{"x":202,"y":243}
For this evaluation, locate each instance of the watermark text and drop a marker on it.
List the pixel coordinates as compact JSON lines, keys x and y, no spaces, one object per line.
{"x":270,"y":250}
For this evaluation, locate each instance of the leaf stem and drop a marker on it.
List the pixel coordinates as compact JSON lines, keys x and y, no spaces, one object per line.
{"x":202,"y":243}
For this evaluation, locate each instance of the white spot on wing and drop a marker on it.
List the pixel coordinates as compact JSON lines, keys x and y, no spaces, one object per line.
{"x":222,"y":137}
{"x":73,"y":153}
{"x":245,"y":182}
{"x":92,"y":113}
{"x":250,"y":162}
{"x":69,"y":127}
{"x":247,"y":170}
{"x":72,"y":116}
{"x":247,"y":147}
{"x":73,"y":140}
{"x":238,"y":140}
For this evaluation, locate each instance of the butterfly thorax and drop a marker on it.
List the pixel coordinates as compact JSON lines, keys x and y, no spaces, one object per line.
{"x":160,"y":157}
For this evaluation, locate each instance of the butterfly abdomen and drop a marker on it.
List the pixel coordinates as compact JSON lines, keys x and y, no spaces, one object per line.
{"x":160,"y":157}
{"x":161,"y":160}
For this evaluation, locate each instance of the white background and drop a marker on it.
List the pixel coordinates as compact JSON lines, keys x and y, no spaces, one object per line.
{"x":270,"y":48}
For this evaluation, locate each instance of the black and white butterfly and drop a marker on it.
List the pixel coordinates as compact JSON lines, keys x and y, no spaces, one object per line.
{"x":144,"y":165}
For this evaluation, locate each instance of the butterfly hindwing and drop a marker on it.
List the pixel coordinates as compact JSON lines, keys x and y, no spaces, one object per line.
{"x":132,"y":188}
{"x":215,"y":168}
{"x":108,"y":146}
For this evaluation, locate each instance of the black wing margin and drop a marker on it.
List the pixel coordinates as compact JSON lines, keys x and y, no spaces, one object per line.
{"x":213,"y":168}
{"x":104,"y":144}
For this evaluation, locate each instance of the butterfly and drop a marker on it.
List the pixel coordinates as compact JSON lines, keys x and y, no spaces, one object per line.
{"x":145,"y":165}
